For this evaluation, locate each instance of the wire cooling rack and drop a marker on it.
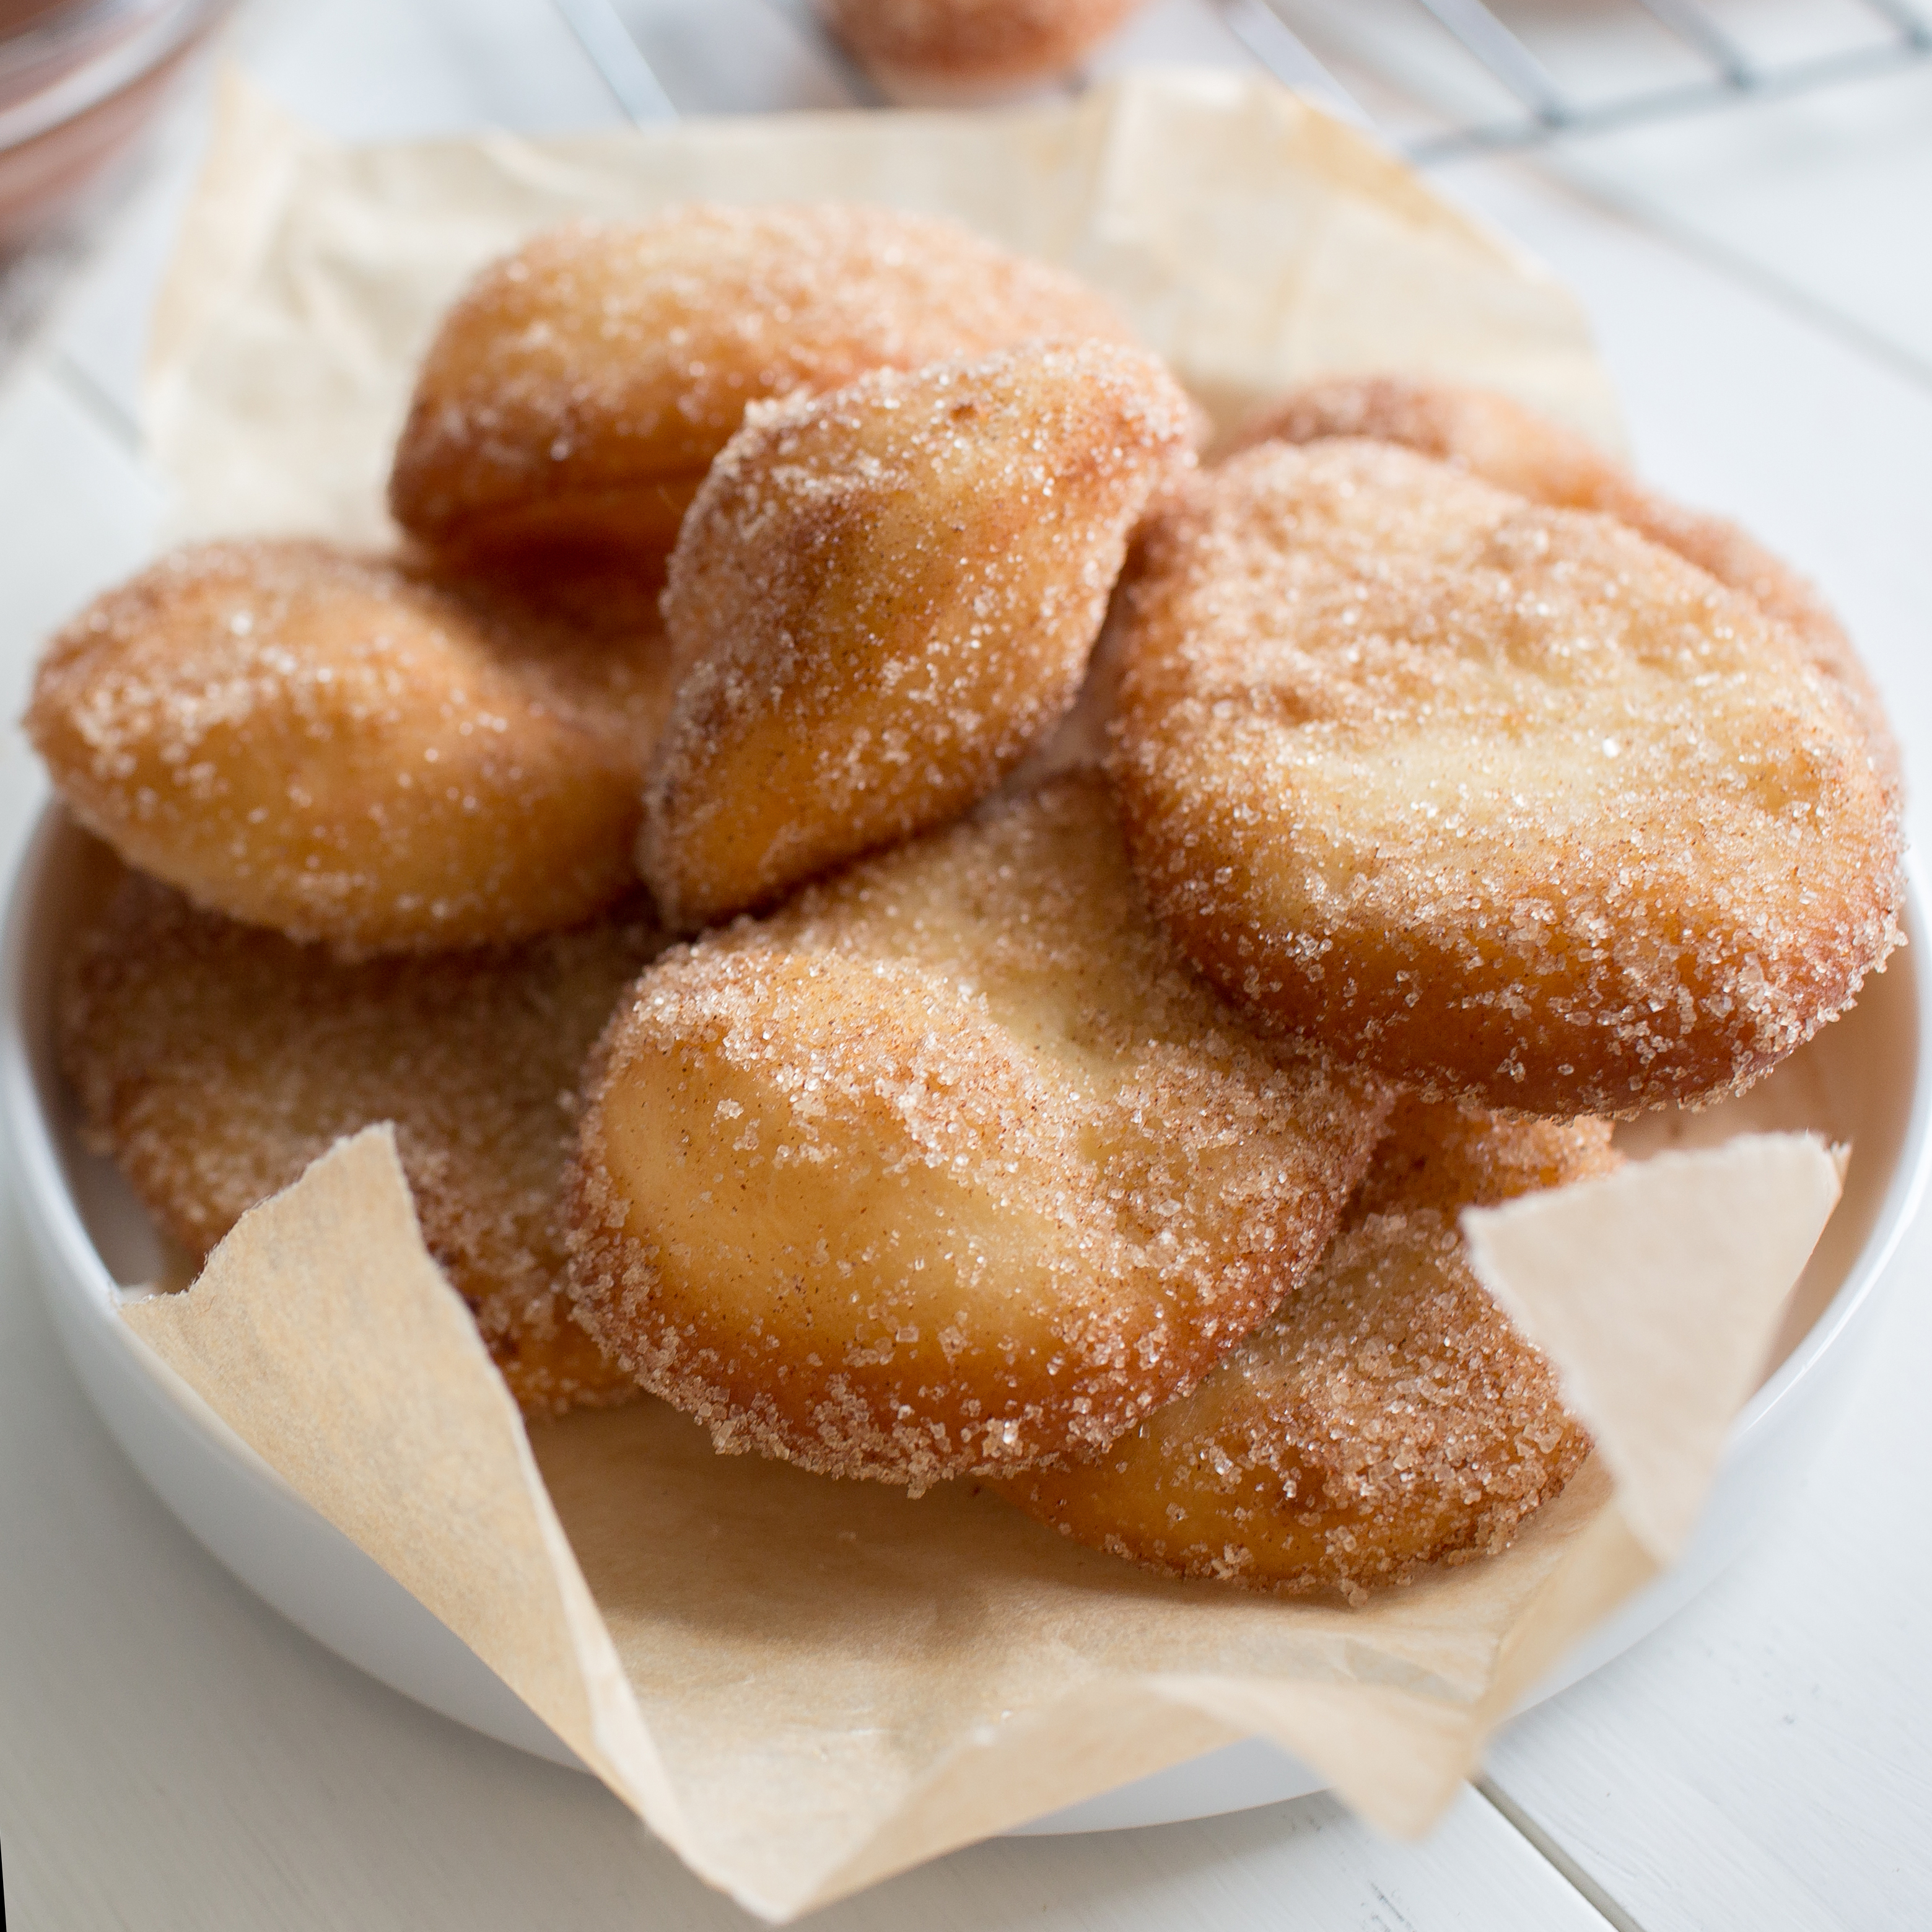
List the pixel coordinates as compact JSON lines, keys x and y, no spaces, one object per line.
{"x":1703,"y":53}
{"x":1861,"y":39}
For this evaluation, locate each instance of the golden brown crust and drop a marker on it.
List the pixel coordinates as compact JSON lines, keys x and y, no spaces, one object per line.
{"x":332,"y":747}
{"x":1450,"y":1155}
{"x":1496,"y":797}
{"x":577,"y":392}
{"x":594,"y":637}
{"x":951,"y":1165}
{"x":214,"y":1061}
{"x":975,"y":43}
{"x":845,"y":680}
{"x":1495,"y":438}
{"x":1387,"y":1417}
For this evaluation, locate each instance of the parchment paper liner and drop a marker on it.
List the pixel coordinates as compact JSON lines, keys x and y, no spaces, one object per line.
{"x":804,"y":1686}
{"x":1253,"y":241}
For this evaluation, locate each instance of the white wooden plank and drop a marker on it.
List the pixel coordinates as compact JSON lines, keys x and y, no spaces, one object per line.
{"x":78,"y":513}
{"x":1827,"y":192}
{"x":740,"y":56}
{"x":99,"y":325}
{"x":77,"y":510}
{"x":1407,"y":71}
{"x":1766,"y":1758}
{"x":373,"y":70}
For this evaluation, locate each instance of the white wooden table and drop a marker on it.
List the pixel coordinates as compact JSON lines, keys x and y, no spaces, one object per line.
{"x":173,"y":1755}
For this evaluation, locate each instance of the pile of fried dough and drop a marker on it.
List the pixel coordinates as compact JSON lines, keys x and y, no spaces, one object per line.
{"x":900,"y":909}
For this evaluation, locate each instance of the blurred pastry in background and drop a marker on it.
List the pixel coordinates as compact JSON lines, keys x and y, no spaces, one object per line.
{"x":934,"y":50}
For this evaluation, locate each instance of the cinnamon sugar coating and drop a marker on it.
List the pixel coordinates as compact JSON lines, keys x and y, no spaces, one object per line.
{"x":882,"y":599}
{"x":578,"y":391}
{"x":1387,"y":1417}
{"x":973,"y":42}
{"x":1503,"y":799}
{"x":332,"y":747}
{"x":1499,"y":439}
{"x":1452,"y":1154}
{"x":595,"y":639}
{"x":951,"y":1165}
{"x":214,"y":1061}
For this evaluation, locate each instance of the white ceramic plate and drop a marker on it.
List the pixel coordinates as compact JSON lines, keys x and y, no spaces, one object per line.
{"x":1864,"y":1080}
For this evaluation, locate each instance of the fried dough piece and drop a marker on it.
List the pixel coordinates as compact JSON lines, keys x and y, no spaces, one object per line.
{"x":596,"y":639}
{"x":577,"y":392}
{"x":1388,"y":1416}
{"x":1497,"y":439}
{"x":1448,"y":1155}
{"x":214,"y":1061}
{"x":333,"y":747}
{"x":928,"y":48}
{"x":1500,"y":800}
{"x":951,"y":1165}
{"x":885,"y":597}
